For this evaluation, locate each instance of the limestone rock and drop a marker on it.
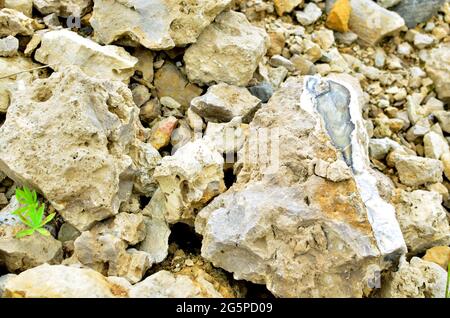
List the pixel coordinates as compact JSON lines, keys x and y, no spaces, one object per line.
{"x":283,"y":226}
{"x":3,"y":280}
{"x":339,"y":16}
{"x":437,"y":65}
{"x":13,"y":65}
{"x":388,"y":3}
{"x":27,"y":252}
{"x":63,"y":8}
{"x":24,"y":6}
{"x":439,"y":255}
{"x":416,"y":171}
{"x":9,"y":46}
{"x":146,"y":158}
{"x":417,"y":11}
{"x":286,"y":6}
{"x":223,"y":102}
{"x":226,"y":138}
{"x":417,"y":279}
{"x":189,"y":179}
{"x":422,"y":219}
{"x":435,"y":145}
{"x":104,"y":247}
{"x":169,"y":81}
{"x":58,"y":281}
{"x":242,"y":46}
{"x":370,"y":21}
{"x":164,"y":284}
{"x":157,"y":25}
{"x":162,"y":132}
{"x":60,"y":48}
{"x":309,"y":15}
{"x":13,"y":23}
{"x":68,"y":137}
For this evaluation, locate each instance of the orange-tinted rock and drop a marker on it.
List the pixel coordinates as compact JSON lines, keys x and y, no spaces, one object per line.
{"x":162,"y":131}
{"x":339,"y":16}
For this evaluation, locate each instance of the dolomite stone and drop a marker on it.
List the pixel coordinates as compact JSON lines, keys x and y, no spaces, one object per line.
{"x":24,"y":6}
{"x":104,"y":247}
{"x":27,"y":252}
{"x":435,"y":145}
{"x":146,"y":158}
{"x":9,"y":46}
{"x":189,"y":179}
{"x":60,"y":48}
{"x":286,"y":6}
{"x":242,"y":47}
{"x":13,"y":23}
{"x":439,"y":255}
{"x":417,"y":279}
{"x":370,"y":21}
{"x":63,"y":8}
{"x":169,"y":81}
{"x":14,"y":65}
{"x":309,"y":15}
{"x":437,"y":65}
{"x":69,"y":137}
{"x":157,"y":24}
{"x":379,"y":148}
{"x":223,"y":102}
{"x":416,"y":171}
{"x":226,"y":138}
{"x":417,"y":11}
{"x":164,"y":284}
{"x":58,"y":281}
{"x":283,"y":226}
{"x":422,"y":219}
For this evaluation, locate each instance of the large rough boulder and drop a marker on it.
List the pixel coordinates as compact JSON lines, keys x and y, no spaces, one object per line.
{"x":229,"y":51}
{"x":60,"y":48}
{"x":69,"y":137}
{"x":158,"y":24}
{"x":27,"y":252}
{"x":283,"y":225}
{"x":63,"y":8}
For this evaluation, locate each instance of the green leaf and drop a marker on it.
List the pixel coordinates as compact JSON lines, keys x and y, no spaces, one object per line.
{"x":24,"y":233}
{"x":43,"y":231}
{"x":447,"y":290}
{"x":48,"y":219}
{"x":40,"y":214}
{"x":20,"y":210}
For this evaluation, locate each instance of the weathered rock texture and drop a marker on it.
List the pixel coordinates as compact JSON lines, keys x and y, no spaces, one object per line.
{"x":437,"y":65}
{"x":27,"y":252}
{"x":71,"y":147}
{"x":60,"y":48}
{"x":63,"y":8}
{"x":417,"y":11}
{"x":417,"y":279}
{"x":229,"y":51}
{"x":157,"y":24}
{"x":13,"y":23}
{"x":281,"y":225}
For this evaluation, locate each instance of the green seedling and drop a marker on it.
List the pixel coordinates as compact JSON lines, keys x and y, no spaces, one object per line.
{"x":31,"y":213}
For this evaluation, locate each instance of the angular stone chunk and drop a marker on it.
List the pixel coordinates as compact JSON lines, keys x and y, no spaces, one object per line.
{"x":417,"y":279}
{"x":156,"y":24}
{"x":60,"y":48}
{"x":417,"y":11}
{"x":164,"y":284}
{"x":286,"y":6}
{"x":189,"y":179}
{"x":416,"y":171}
{"x":59,"y":281}
{"x":13,"y":23}
{"x":223,"y":102}
{"x":68,"y":137}
{"x":63,"y":8}
{"x":422,"y":219}
{"x":439,"y":255}
{"x":241,"y":46}
{"x":437,"y":65}
{"x":24,"y":6}
{"x":283,"y":226}
{"x":9,"y":46}
{"x":27,"y":252}
{"x":370,"y":21}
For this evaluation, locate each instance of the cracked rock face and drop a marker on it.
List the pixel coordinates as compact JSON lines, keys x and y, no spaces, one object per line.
{"x":155,"y":24}
{"x":72,"y":147}
{"x":60,"y":48}
{"x":241,"y":46}
{"x":63,"y":8}
{"x":301,"y":234}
